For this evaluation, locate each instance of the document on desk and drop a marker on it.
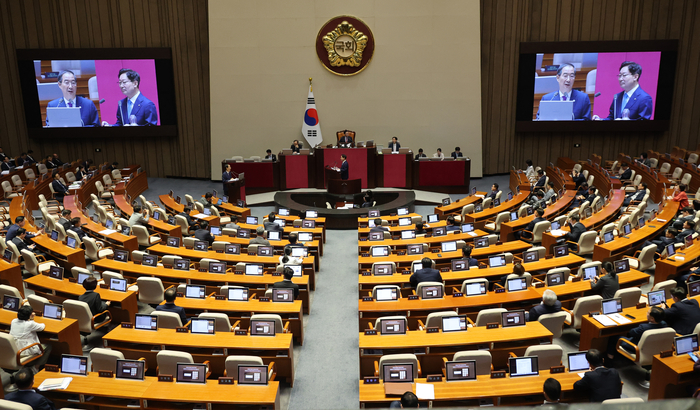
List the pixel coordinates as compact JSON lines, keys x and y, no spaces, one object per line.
{"x":604,"y":320}
{"x":201,"y":216}
{"x":55,"y":384}
{"x":471,"y":233}
{"x":558,"y":232}
{"x":425,"y":391}
{"x":479,"y":196}
{"x":4,"y":172}
{"x":107,"y":232}
{"x":619,"y":318}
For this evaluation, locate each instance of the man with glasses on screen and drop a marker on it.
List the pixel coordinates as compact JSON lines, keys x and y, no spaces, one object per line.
{"x":632,"y":103}
{"x":69,"y":87}
{"x":566,"y":75}
{"x":135,"y":109}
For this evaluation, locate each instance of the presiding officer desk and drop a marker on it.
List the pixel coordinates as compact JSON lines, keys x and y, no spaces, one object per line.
{"x":63,"y":335}
{"x":289,"y":311}
{"x":257,"y":284}
{"x":116,"y":239}
{"x":135,"y":343}
{"x":150,"y":393}
{"x":123,"y":307}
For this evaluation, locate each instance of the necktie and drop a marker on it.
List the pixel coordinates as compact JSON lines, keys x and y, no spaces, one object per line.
{"x":70,"y":103}
{"x":129,"y":105}
{"x":625,"y":97}
{"x":563,"y":97}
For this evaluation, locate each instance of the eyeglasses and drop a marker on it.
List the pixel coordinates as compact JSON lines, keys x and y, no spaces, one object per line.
{"x":123,"y":82}
{"x":623,"y":75}
{"x":69,"y":83}
{"x":568,"y":76}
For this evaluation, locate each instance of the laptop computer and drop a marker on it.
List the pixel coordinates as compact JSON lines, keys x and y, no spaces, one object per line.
{"x":182,"y":264}
{"x":460,"y":371}
{"x":217,"y":267}
{"x":232,"y":249}
{"x":432,"y":218}
{"x":146,"y":322}
{"x":130,"y":369}
{"x":685,"y":344}
{"x":53,"y":311}
{"x":449,"y":246}
{"x":283,"y":295}
{"x":613,"y":305}
{"x":75,"y":365}
{"x":398,"y":373}
{"x":195,"y":291}
{"x":117,"y":284}
{"x":459,"y":265}
{"x":473,"y":289}
{"x":56,"y":272}
{"x":555,"y":278}
{"x":58,"y":117}
{"x":238,"y":293}
{"x":379,"y":269}
{"x":513,"y":318}
{"x":516,"y":284}
{"x":497,"y":261}
{"x":431,"y":292}
{"x":556,"y":110}
{"x":251,"y":269}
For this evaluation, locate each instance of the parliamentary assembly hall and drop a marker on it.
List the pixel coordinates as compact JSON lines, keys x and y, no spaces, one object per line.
{"x":343,"y":204}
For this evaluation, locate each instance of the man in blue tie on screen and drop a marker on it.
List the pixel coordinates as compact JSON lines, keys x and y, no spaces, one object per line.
{"x":135,"y":109}
{"x":566,"y":74}
{"x":69,"y":86}
{"x":633,"y":103}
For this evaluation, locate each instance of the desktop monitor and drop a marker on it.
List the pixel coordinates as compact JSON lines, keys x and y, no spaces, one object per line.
{"x":130,"y":369}
{"x":402,"y":211}
{"x":117,"y":284}
{"x":201,"y":245}
{"x":496,"y":261}
{"x":467,"y":227}
{"x":476,"y":288}
{"x":240,"y":203}
{"x":481,"y":242}
{"x":126,"y":229}
{"x":283,"y":212}
{"x":238,"y":293}
{"x":685,"y":344}
{"x":217,"y":267}
{"x":305,"y":237}
{"x":76,"y":365}
{"x":688,"y":241}
{"x":214,"y":193}
{"x":10,"y":303}
{"x":202,"y":326}
{"x":207,"y":211}
{"x":191,"y":373}
{"x":408,"y":234}
{"x":243,"y":233}
{"x":460,"y":371}
{"x":555,"y":225}
{"x":109,"y":224}
{"x":613,"y":305}
{"x":392,"y":326}
{"x":439,"y":231}
{"x":264,"y":250}
{"x":252,"y":269}
{"x":296,"y":269}
{"x":156,"y":215}
{"x":623,"y":265}
{"x":182,"y":264}
{"x":431,"y":292}
{"x":195,"y":291}
{"x":71,"y":242}
{"x":262,"y":327}
{"x":432,"y":218}
{"x":555,"y":278}
{"x":373,"y":213}
{"x":274,"y":236}
{"x":449,"y":246}
{"x":376,"y":236}
{"x":311,"y":214}
{"x":386,"y":293}
{"x":306,"y":223}
{"x":414,"y":249}
{"x":404,"y":221}
{"x":627,"y":229}
{"x":121,"y":256}
{"x":53,"y":311}
{"x":513,"y":318}
{"x":371,"y":223}
{"x":56,"y":272}
{"x":509,"y":197}
{"x":656,"y":297}
{"x":446,"y":201}
{"x":530,"y":210}
{"x":283,"y":295}
{"x":531,"y":256}
{"x":215,"y":230}
{"x":640,"y":223}
{"x":149,"y":260}
{"x":473,"y":191}
{"x":496,"y":202}
{"x":54,"y":235}
{"x":514,"y":216}
{"x":670,"y":250}
{"x":379,"y":269}
{"x":478,"y":208}
{"x":560,"y":251}
{"x":608,"y":236}
{"x":300,"y":251}
{"x":523,"y":366}
{"x":693,"y":288}
{"x":516,"y":284}
{"x":380,"y":251}
{"x":459,"y":265}
{"x":587,"y":213}
{"x":7,"y":256}
{"x":590,"y":272}
{"x":454,"y":323}
{"x":251,"y":374}
{"x":577,"y":362}
{"x":398,"y":373}
{"x":232,"y":249}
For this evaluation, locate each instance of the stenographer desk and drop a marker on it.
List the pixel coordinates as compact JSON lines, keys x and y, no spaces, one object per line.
{"x":123,"y":306}
{"x":394,"y":170}
{"x":101,"y":393}
{"x":671,"y":377}
{"x":116,"y":239}
{"x":63,"y":335}
{"x":11,"y":274}
{"x":430,"y":348}
{"x":289,"y":311}
{"x":136,"y":343}
{"x":213,"y":281}
{"x":297,"y":170}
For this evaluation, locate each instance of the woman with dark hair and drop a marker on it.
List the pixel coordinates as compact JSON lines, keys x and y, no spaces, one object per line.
{"x":518,"y":270}
{"x":607,"y":284}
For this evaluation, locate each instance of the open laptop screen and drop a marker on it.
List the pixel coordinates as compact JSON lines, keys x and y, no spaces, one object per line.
{"x":577,"y":362}
{"x":380,"y":251}
{"x":117,"y":284}
{"x":53,"y":311}
{"x":283,"y":295}
{"x":460,"y":371}
{"x":262,"y":327}
{"x":467,"y":227}
{"x":415,"y":249}
{"x":656,"y":297}
{"x":232,"y":249}
{"x":195,"y":291}
{"x":173,"y":241}
{"x":274,"y":236}
{"x":191,"y":373}
{"x":523,"y":366}
{"x":686,"y":344}
{"x":121,"y":256}
{"x":459,"y":265}
{"x":402,"y":211}
{"x":622,"y":265}
{"x":432,"y":218}
{"x":449,"y":246}
{"x":251,"y":269}
{"x":531,"y":256}
{"x":182,"y":264}
{"x":482,"y":242}
{"x":130,"y":369}
{"x":497,"y":261}
{"x":202,"y":326}
{"x":146,"y":322}
{"x":612,"y":306}
{"x":408,"y":234}
{"x":513,"y":318}
{"x":237,"y":293}
{"x":561,"y":250}
{"x":454,"y":323}
{"x":382,"y":269}
{"x":71,"y":364}
{"x":431,"y":292}
{"x":473,"y":289}
{"x":56,"y":272}
{"x":398,"y":373}
{"x":516,"y":284}
{"x":217,"y":267}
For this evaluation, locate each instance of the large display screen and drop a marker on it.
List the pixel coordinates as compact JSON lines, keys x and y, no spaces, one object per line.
{"x":81,"y":93}
{"x":594,"y":84}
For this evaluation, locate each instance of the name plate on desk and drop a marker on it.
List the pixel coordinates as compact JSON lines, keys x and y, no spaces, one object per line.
{"x":666,"y":353}
{"x":493,"y":325}
{"x":276,"y":273}
{"x":401,"y":253}
{"x":263,"y":299}
{"x":367,"y":273}
{"x":365,"y":255}
{"x":641,"y":305}
{"x":182,"y":329}
{"x":436,"y":250}
{"x":74,"y":280}
{"x":406,"y":272}
{"x":51,"y":368}
{"x":167,"y":266}
{"x":179,"y":294}
{"x":239,"y":332}
{"x":104,"y":286}
{"x":220,"y":251}
{"x":591,"y":314}
{"x":238,"y":272}
{"x":498,"y":374}
{"x":367,"y":298}
{"x":363,"y":239}
{"x":433,"y":329}
{"x":549,"y":256}
{"x":127,"y":325}
{"x":202,"y":270}
{"x":556,"y":369}
{"x":457,"y":295}
{"x":413,"y":297}
{"x":225,"y":380}
{"x":106,"y":373}
{"x":539,"y":285}
{"x":434,"y":378}
{"x":576,"y":280}
{"x":444,"y":269}
{"x":219,"y":297}
{"x":482,"y":266}
{"x":499,"y":290}
{"x":371,"y":332}
{"x":165,"y":378}
{"x":371,"y":380}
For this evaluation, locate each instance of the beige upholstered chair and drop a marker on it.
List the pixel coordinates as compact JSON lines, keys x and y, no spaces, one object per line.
{"x":547,"y":355}
{"x":492,"y":315}
{"x":402,"y":358}
{"x":482,"y":357}
{"x":554,"y":322}
{"x":80,"y":311}
{"x":581,"y":308}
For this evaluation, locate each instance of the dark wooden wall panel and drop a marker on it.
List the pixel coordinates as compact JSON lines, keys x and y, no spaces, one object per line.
{"x":181,"y":25}
{"x":506,"y":23}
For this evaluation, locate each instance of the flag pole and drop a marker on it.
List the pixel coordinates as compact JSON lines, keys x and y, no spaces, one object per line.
{"x":310,"y":88}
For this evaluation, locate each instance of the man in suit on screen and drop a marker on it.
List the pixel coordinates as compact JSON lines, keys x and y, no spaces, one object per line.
{"x":632,"y":103}
{"x":69,"y":86}
{"x":566,"y":74}
{"x":135,"y":109}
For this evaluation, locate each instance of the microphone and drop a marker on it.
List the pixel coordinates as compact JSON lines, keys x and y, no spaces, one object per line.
{"x":101,"y":101}
{"x":596,"y":95}
{"x":615,"y":108}
{"x":132,"y":120}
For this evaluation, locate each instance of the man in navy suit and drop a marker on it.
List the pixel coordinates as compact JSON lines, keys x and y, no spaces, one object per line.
{"x":226,"y":176}
{"x":566,"y":74}
{"x":344,"y":167}
{"x":68,"y":86}
{"x":58,"y":187}
{"x":684,"y":315}
{"x":600,"y":383}
{"x":427,"y":274}
{"x":135,"y":109}
{"x":635,"y":101}
{"x":25,"y":394}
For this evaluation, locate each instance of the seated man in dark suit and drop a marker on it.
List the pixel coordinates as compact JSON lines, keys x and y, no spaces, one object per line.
{"x":287,"y":282}
{"x":203,"y":234}
{"x":420,"y":154}
{"x":637,"y":195}
{"x":549,"y":304}
{"x":169,"y":305}
{"x":186,"y":214}
{"x":49,"y":162}
{"x":684,"y":315}
{"x":270,"y":155}
{"x":296,"y":147}
{"x":625,"y":172}
{"x":394,"y":145}
{"x":68,"y":85}
{"x":581,"y":106}
{"x":206,"y":201}
{"x":668,"y":238}
{"x":58,"y":187}
{"x":24,"y":379}
{"x":552,"y":393}
{"x":427,"y":274}
{"x":494,"y":191}
{"x":578,"y":178}
{"x":408,"y":401}
{"x":644,"y":159}
{"x":65,"y":218}
{"x":576,"y":229}
{"x":293,"y":241}
{"x":13,"y":230}
{"x":600,"y":383}
{"x":467,"y":254}
{"x":346,"y":139}
{"x":688,"y":229}
{"x":367,"y":199}
{"x":541,"y":178}
{"x":93,"y":299}
{"x":655,"y":320}
{"x":457,"y":153}
{"x":592,"y":195}
{"x":378,"y":226}
{"x":5,"y":165}
{"x":539,"y":217}
{"x":451,"y":224}
{"x":76,"y":228}
{"x":687,"y":214}
{"x":20,"y":243}
{"x":270,"y":225}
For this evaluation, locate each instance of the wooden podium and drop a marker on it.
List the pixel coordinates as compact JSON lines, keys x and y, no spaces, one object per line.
{"x":338,"y":186}
{"x":236,"y":189}
{"x":330,"y":174}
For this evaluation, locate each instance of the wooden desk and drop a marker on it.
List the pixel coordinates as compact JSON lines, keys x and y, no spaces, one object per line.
{"x":315,"y":247}
{"x":228,"y":209}
{"x":390,"y":218}
{"x":509,"y":391}
{"x":518,"y":178}
{"x":116,"y":239}
{"x":561,"y":179}
{"x":257,"y":284}
{"x":11,"y":274}
{"x":671,"y":377}
{"x":123,"y":306}
{"x":595,"y":336}
{"x":136,"y":343}
{"x":601,"y":180}
{"x":160,"y":227}
{"x":365,"y":245}
{"x":318,"y":232}
{"x":430,"y":348}
{"x":455,"y":207}
{"x":479,"y":219}
{"x":134,"y":186}
{"x":289,"y":219}
{"x":695,"y":175}
{"x":559,"y":207}
{"x":63,"y":335}
{"x":291,"y":312}
{"x":153,"y":394}
{"x":656,"y":183}
{"x":448,"y":175}
{"x":669,"y":268}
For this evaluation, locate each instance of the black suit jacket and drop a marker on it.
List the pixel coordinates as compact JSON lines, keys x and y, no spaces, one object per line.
{"x":683,"y":316}
{"x":425,"y":275}
{"x":606,"y":286}
{"x":61,"y":190}
{"x":543,"y":309}
{"x":541,"y":181}
{"x":575,"y":232}
{"x":456,"y":154}
{"x":31,"y":398}
{"x":19,"y":243}
{"x":379,"y":229}
{"x":579,"y":180}
{"x":187,"y":216}
{"x":344,"y":170}
{"x":287,"y":284}
{"x":171,"y":307}
{"x":297,"y":148}
{"x":532,"y":223}
{"x":94,"y":301}
{"x":5,"y":166}
{"x":273,"y":157}
{"x":635,"y":335}
{"x":345,"y":140}
{"x":204,"y":235}
{"x":391,"y":146}
{"x":685,"y":232}
{"x":600,"y":384}
{"x":627,"y":174}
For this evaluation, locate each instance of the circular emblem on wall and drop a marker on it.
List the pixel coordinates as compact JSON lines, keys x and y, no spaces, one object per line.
{"x":345,"y":45}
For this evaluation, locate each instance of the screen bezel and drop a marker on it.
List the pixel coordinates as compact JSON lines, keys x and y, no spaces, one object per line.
{"x":448,"y":365}
{"x":72,"y":356}
{"x":140,"y":363}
